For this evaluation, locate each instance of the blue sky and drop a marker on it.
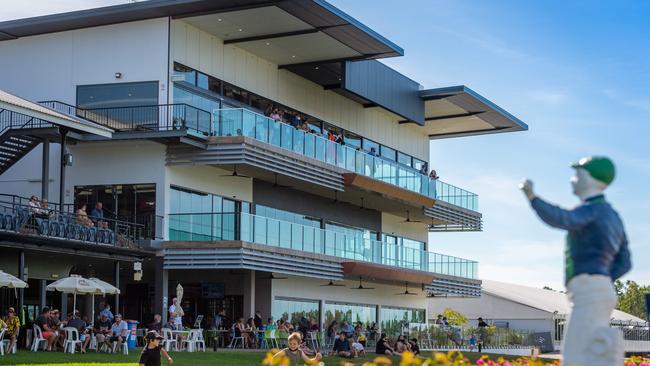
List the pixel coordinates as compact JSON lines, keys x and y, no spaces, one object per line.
{"x":577,"y":72}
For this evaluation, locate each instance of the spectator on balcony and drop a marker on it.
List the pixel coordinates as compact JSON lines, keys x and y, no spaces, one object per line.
{"x":275,"y":115}
{"x":424,"y":169}
{"x":82,"y":216}
{"x":35,"y":209}
{"x":97,"y":216}
{"x":45,"y":208}
{"x":304,"y":126}
{"x":294,"y":119}
{"x":433,"y":174}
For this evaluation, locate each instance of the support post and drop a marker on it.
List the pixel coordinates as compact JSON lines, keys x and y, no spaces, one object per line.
{"x":378,"y":317}
{"x":21,"y":275}
{"x":117,"y":284}
{"x":249,"y":294}
{"x":45,"y":173}
{"x":321,"y":314}
{"x":42,"y":295}
{"x":161,"y":293}
{"x":64,"y":133}
{"x":64,"y":306}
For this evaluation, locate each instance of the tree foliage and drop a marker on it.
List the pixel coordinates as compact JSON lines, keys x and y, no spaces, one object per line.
{"x":631,"y":298}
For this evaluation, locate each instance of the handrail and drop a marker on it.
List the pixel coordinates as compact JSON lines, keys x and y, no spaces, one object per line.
{"x":279,"y":233}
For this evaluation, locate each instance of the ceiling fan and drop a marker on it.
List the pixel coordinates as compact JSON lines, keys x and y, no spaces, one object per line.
{"x":408,"y":218}
{"x":273,"y":277}
{"x":331,"y":283}
{"x":360,"y":287}
{"x":275,"y":182}
{"x":235,"y":174}
{"x":407,"y":292}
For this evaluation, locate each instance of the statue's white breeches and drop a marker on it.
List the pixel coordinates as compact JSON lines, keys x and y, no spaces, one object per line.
{"x":588,"y":339}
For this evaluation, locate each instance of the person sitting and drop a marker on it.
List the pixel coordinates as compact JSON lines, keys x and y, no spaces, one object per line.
{"x":102,"y":329}
{"x":270,"y":324}
{"x":433,"y":174}
{"x":34,"y":206}
{"x":12,"y":323}
{"x":239,"y":329}
{"x":55,"y":324}
{"x":43,"y":322}
{"x":82,"y":216}
{"x":313,"y":325}
{"x":401,"y":345}
{"x":45,"y":208}
{"x":107,"y":311}
{"x":296,"y":355}
{"x":347,"y":329}
{"x":384,"y":347}
{"x":342,"y":347}
{"x":156,"y":324}
{"x":76,"y":322}
{"x":251,"y":330}
{"x":97,"y":216}
{"x":415,"y":348}
{"x":119,"y":331}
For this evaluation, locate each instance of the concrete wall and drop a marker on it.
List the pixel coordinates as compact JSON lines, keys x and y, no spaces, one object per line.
{"x":50,"y":66}
{"x":207,"y":53}
{"x":392,"y":224}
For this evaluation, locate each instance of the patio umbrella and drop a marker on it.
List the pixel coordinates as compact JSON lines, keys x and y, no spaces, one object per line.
{"x":106,"y":288}
{"x":11,"y":281}
{"x":179,"y":298}
{"x":75,"y":285}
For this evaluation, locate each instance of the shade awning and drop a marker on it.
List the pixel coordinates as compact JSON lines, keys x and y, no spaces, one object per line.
{"x":378,"y":272}
{"x":26,"y":108}
{"x":459,"y":111}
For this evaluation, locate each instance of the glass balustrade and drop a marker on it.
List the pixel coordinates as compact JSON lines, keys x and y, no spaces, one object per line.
{"x":243,"y":122}
{"x":284,"y":234}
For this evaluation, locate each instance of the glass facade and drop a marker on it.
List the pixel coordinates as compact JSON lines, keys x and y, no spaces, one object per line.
{"x":196,"y":216}
{"x":293,"y":310}
{"x":392,"y":319}
{"x":353,"y":313}
{"x":117,"y":95}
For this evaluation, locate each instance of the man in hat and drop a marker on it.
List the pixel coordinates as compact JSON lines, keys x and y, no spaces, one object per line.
{"x":596,"y":255}
{"x":150,"y":355}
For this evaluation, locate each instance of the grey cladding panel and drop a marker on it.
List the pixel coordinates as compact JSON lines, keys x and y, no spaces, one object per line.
{"x":385,"y":87}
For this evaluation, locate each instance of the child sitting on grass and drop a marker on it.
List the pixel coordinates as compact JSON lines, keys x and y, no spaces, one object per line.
{"x":294,"y":353}
{"x":151,"y":353}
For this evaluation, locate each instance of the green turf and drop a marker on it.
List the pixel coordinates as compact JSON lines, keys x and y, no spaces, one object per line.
{"x":180,"y":358}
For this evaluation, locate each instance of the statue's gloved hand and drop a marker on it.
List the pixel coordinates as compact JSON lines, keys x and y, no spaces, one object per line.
{"x":527,"y":187}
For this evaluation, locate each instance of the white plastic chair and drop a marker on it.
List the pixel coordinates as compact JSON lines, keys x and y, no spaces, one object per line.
{"x":169,"y":342}
{"x":38,"y":339}
{"x":190,"y":342}
{"x":235,"y":340}
{"x":195,"y":341}
{"x":124,"y":345}
{"x":273,"y":338}
{"x":72,"y":340}
{"x":2,"y":344}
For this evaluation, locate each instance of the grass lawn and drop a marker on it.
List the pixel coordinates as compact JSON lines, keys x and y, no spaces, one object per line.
{"x":180,"y":358}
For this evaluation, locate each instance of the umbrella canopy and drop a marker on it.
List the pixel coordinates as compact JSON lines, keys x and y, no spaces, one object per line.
{"x":106,"y":287}
{"x":7,"y":280}
{"x":179,"y":293}
{"x":75,"y":285}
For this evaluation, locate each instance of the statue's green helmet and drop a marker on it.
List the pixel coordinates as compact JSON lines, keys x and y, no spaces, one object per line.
{"x":600,"y":168}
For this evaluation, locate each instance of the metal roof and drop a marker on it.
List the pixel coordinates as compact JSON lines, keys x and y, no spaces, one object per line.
{"x":459,"y":111}
{"x":16,"y":104}
{"x":318,"y":13}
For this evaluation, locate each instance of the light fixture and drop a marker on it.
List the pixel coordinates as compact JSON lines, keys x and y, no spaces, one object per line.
{"x":218,"y":20}
{"x":268,"y":43}
{"x":293,"y":56}
{"x":240,"y":29}
{"x":118,"y":75}
{"x":316,"y":68}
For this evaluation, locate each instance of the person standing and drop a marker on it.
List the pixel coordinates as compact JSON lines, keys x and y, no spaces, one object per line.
{"x":107,"y":311}
{"x":596,"y":255}
{"x":176,"y":314}
{"x":150,"y":355}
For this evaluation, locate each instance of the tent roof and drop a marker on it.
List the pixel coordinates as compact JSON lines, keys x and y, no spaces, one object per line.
{"x":545,"y":300}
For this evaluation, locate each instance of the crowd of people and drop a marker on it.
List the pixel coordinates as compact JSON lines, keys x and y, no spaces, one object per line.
{"x":40,"y":210}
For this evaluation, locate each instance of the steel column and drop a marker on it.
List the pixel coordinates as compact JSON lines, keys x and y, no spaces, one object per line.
{"x":45,"y":174}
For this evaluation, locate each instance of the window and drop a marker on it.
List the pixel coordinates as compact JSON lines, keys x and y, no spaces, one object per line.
{"x":189,"y":75}
{"x":202,"y":80}
{"x":214,"y":85}
{"x":117,"y":95}
{"x":404,"y":159}
{"x":388,"y":153}
{"x":417,"y":163}
{"x":278,"y":214}
{"x":371,"y":146}
{"x":352,"y":140}
{"x":235,"y":93}
{"x":292,"y":310}
{"x":394,"y":319}
{"x":353,"y":313}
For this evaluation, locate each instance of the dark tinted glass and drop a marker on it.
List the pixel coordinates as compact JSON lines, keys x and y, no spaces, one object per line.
{"x":189,"y":75}
{"x":117,"y":95}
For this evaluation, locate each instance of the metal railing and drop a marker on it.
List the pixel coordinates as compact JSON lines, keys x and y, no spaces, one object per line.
{"x":163,"y":117}
{"x":21,"y":218}
{"x":284,"y":234}
{"x":243,"y":122}
{"x":14,"y":120}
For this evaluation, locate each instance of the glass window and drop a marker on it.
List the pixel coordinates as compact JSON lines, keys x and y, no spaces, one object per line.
{"x":388,"y":153}
{"x":235,"y":93}
{"x":417,"y":163}
{"x":371,"y":146}
{"x":189,"y":75}
{"x":117,"y":95}
{"x":202,"y":80}
{"x":214,"y":85}
{"x":352,"y":140}
{"x":292,"y":310}
{"x":404,"y":159}
{"x":396,"y":320}
{"x":353,"y":313}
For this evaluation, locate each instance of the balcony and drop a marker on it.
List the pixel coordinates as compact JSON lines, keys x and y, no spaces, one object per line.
{"x":243,"y":122}
{"x":203,"y":227}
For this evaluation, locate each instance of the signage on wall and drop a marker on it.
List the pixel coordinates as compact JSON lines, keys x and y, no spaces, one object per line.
{"x":212,"y":290}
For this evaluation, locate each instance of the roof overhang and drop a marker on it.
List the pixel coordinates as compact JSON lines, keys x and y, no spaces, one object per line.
{"x":459,"y":111}
{"x":10,"y":102}
{"x":325,"y":31}
{"x":378,"y":272}
{"x":387,"y":190}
